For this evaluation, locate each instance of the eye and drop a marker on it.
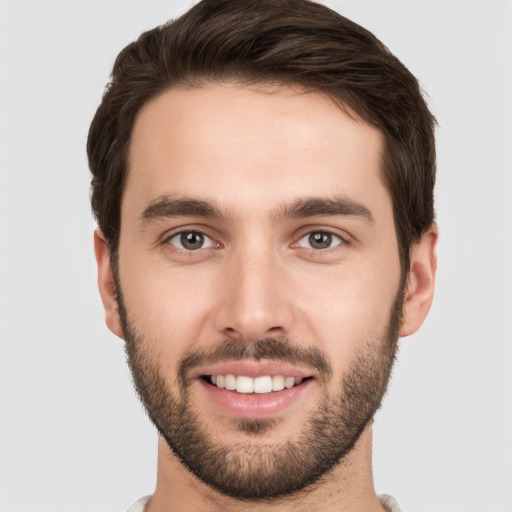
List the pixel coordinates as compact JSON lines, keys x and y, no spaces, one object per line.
{"x":320,"y":240}
{"x":190,"y":240}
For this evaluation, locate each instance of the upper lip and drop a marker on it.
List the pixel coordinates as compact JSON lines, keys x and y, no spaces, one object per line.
{"x":253,"y":369}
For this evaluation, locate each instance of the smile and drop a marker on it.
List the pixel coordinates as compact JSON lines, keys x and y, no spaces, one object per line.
{"x":260,"y":385}
{"x":254,"y":389}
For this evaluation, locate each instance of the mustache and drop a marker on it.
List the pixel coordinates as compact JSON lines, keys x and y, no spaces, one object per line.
{"x":273,"y":349}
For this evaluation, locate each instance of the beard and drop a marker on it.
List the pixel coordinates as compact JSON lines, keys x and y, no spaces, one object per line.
{"x":252,"y":470}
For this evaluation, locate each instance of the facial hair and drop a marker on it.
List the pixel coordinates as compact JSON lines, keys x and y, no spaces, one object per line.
{"x":259,"y":471}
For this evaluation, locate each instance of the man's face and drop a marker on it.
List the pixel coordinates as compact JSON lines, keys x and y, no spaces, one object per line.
{"x":257,"y":246}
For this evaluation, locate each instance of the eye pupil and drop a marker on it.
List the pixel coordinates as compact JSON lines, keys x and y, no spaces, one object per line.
{"x":320,"y":240}
{"x":192,"y":240}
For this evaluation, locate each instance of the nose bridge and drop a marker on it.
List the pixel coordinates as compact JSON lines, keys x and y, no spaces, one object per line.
{"x":251,"y":305}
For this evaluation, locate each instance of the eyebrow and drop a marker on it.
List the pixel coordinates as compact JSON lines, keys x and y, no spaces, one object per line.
{"x":320,"y":206}
{"x":165,"y":207}
{"x":168,"y":207}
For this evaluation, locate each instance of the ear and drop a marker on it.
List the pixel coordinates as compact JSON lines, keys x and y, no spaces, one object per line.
{"x":420,"y":286}
{"x":106,"y":283}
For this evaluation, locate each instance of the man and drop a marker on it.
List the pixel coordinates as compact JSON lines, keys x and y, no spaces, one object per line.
{"x":263,"y":178}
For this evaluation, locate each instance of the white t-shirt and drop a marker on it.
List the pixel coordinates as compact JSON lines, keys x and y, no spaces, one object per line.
{"x":388,"y":501}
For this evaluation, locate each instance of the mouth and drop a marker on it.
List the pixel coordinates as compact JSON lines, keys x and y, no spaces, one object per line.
{"x":261,"y":385}
{"x":252,"y":389}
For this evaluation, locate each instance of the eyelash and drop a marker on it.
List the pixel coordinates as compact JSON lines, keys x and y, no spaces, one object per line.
{"x":333,"y":236}
{"x":213,"y":244}
{"x":343,"y":241}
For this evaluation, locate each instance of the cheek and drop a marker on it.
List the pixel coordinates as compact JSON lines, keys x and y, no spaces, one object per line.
{"x":344,"y":311}
{"x":168,"y":307}
{"x":336,"y":308}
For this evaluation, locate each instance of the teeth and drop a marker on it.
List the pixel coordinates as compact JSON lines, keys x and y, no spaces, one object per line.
{"x":244,"y":384}
{"x":277,"y":383}
{"x":260,"y":385}
{"x":263,"y":384}
{"x":289,"y":382}
{"x":230,"y":382}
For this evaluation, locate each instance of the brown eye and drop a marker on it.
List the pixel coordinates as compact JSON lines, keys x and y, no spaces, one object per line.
{"x":191,"y":240}
{"x":320,"y":240}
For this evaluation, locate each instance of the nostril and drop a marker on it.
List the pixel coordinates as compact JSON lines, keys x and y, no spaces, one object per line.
{"x":274,"y":330}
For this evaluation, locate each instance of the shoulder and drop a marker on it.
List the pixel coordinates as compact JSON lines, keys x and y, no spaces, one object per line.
{"x":390,"y":503}
{"x":139,"y":505}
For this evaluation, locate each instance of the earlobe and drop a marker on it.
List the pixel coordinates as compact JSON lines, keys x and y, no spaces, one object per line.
{"x":420,"y":287}
{"x":106,"y":283}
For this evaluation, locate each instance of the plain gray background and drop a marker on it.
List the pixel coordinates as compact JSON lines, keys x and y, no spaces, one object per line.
{"x":73,"y":434}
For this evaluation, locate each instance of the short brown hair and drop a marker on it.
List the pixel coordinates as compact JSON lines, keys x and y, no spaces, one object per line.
{"x":288,"y":42}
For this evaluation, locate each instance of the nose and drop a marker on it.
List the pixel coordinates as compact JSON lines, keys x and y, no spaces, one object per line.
{"x":254,"y":301}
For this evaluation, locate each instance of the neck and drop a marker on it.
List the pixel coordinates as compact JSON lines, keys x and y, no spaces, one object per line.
{"x":348,"y":488}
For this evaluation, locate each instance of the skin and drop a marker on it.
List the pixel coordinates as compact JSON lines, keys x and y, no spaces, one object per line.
{"x":251,"y":152}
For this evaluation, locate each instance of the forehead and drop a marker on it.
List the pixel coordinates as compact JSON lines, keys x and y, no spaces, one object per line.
{"x":251,"y":148}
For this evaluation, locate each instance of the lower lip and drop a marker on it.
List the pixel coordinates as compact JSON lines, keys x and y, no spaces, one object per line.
{"x":254,"y":405}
